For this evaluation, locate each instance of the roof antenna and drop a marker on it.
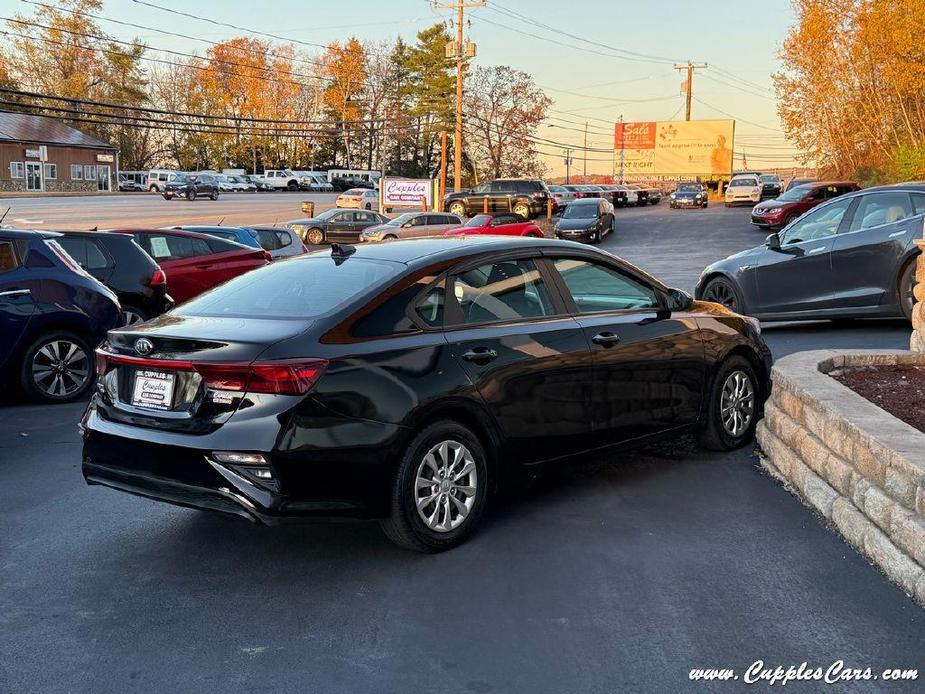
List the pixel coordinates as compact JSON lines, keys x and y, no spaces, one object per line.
{"x":95,"y":229}
{"x":220,"y":222}
{"x":5,"y":214}
{"x":341,"y":251}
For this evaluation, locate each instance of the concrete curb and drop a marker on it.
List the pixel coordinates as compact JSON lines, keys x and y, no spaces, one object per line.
{"x":857,"y":465}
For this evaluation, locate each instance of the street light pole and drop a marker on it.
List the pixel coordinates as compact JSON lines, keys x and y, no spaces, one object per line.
{"x":622,"y":149}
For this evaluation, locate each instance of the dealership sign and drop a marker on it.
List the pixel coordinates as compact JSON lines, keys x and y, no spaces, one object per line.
{"x":669,"y":148}
{"x":407,"y":192}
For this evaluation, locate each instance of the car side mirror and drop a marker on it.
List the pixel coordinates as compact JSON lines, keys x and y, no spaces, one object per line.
{"x":773,"y":241}
{"x":679,"y":300}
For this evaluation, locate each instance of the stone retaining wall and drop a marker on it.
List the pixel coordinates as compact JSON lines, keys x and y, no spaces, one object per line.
{"x":857,"y":465}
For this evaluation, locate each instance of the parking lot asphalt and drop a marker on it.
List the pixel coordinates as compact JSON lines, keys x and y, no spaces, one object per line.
{"x":619,"y":575}
{"x":150,"y":210}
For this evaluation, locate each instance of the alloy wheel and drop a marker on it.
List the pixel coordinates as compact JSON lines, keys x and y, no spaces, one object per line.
{"x":60,"y":368}
{"x":314,"y":237}
{"x":721,"y":293}
{"x":445,"y":486}
{"x":458,"y":209}
{"x":522,"y":210}
{"x":737,"y":403}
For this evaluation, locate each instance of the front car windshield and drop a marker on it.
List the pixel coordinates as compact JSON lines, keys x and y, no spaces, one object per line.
{"x":742,"y":182}
{"x":795,"y":194}
{"x":480,"y":220}
{"x":769,"y":178}
{"x":401,"y":219}
{"x":690,"y":188}
{"x":327,"y":214}
{"x":579,"y":211}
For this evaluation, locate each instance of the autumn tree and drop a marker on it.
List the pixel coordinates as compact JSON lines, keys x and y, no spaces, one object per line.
{"x":345,"y":69}
{"x":62,"y":51}
{"x":503,"y":108}
{"x":852,"y":92}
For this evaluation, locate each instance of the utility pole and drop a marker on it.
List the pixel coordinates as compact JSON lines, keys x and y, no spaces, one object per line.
{"x":622,"y":148}
{"x":584,"y":173}
{"x":463,"y":50}
{"x":689,"y":84}
{"x":568,"y":165}
{"x":442,"y":187}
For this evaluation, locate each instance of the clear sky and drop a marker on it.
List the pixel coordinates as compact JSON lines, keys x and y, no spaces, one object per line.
{"x":588,"y":79}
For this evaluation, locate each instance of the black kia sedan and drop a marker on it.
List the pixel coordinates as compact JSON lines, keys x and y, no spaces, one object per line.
{"x":407,"y":381}
{"x":850,"y":257}
{"x":587,"y":219}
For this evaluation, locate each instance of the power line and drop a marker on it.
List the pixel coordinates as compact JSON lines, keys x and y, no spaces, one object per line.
{"x":741,"y":120}
{"x":227,"y":25}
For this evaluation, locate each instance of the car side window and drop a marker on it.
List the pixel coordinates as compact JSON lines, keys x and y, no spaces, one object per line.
{"x":268,"y":240}
{"x":596,"y":288}
{"x":502,"y":291}
{"x":430,"y":308}
{"x":283,"y":239}
{"x":816,"y":224}
{"x":877,"y":209}
{"x":817,"y":194}
{"x":172,"y":247}
{"x":8,"y":259}
{"x":918,"y":203}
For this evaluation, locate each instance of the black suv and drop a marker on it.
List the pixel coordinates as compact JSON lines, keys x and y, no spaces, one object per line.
{"x":526,"y":197}
{"x":191,"y":187}
{"x":121,"y":264}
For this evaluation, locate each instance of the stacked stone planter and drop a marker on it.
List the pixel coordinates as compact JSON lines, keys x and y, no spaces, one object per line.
{"x":917,"y":341}
{"x":857,"y":465}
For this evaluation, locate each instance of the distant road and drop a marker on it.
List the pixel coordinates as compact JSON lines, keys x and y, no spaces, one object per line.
{"x":150,"y":210}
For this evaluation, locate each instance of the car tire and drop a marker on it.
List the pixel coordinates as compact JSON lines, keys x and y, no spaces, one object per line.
{"x":369,"y":206}
{"x":458,"y":208}
{"x":415,"y":525}
{"x":521,"y":208}
{"x":78,"y":368}
{"x":727,"y":204}
{"x":314,"y":236}
{"x":904,"y":285}
{"x":132,"y":316}
{"x":789,"y":219}
{"x":190,"y":195}
{"x":168,"y":196}
{"x":721,"y":290}
{"x":215,"y":195}
{"x":704,"y":205}
{"x":733,"y":407}
{"x":292,"y":186}
{"x":390,"y":237}
{"x":596,"y":239}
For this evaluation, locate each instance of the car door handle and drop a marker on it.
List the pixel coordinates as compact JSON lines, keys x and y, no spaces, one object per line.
{"x":480,"y":355}
{"x":818,"y":249}
{"x":606,"y":339}
{"x":15,"y":292}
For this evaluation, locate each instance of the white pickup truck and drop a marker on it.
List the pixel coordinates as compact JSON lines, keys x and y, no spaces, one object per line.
{"x":281,"y":179}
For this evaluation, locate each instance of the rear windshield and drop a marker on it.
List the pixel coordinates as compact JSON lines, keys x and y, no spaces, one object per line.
{"x":579,"y":211}
{"x":296,"y":289}
{"x":689,"y":188}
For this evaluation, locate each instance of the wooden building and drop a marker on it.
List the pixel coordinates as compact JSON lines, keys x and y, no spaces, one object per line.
{"x":40,"y":154}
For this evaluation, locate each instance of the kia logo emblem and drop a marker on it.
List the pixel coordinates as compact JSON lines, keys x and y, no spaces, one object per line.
{"x":143,"y":345}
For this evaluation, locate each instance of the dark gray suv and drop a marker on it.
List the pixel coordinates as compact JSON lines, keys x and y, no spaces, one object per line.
{"x":192,"y":187}
{"x":525,"y":197}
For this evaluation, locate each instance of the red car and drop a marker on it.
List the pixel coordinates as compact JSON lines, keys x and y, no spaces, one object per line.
{"x":497,"y":225}
{"x":786,"y":207}
{"x":196,"y":262}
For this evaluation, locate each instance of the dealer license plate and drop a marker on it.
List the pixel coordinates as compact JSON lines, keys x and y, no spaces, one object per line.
{"x":153,"y":390}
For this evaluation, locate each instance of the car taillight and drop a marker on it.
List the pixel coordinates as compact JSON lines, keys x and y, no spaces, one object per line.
{"x":158,"y":279}
{"x":284,"y":377}
{"x":267,"y":256}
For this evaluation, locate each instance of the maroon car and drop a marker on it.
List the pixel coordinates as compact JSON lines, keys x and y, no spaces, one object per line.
{"x":779,"y":212}
{"x":196,"y":262}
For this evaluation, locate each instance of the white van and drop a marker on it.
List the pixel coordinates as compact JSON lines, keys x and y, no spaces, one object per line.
{"x":157,"y":178}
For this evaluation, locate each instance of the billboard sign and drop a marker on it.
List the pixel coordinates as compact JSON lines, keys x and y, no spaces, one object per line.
{"x":671,"y":148}
{"x":407,"y":192}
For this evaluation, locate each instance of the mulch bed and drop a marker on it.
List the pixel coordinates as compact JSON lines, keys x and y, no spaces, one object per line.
{"x":898,"y":389}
